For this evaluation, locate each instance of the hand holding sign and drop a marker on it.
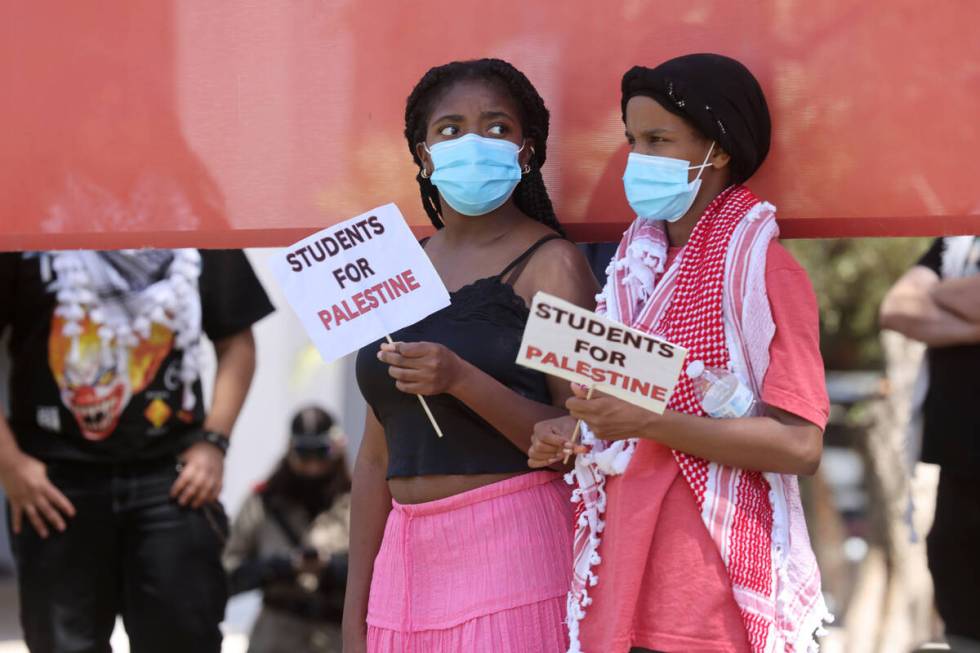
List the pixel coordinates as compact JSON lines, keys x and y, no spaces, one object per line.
{"x":610,"y":418}
{"x":358,"y":281}
{"x":421,"y":368}
{"x":570,"y":342}
{"x":578,"y":423}
{"x":551,"y":442}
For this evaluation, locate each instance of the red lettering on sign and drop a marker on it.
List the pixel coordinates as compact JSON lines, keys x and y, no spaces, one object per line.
{"x":369,"y":299}
{"x":410,"y":280}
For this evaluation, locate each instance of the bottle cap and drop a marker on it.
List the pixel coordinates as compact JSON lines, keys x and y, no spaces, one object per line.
{"x":695,"y":369}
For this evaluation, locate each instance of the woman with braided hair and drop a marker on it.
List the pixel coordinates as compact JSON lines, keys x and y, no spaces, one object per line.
{"x":691,"y":534}
{"x":456,"y":545}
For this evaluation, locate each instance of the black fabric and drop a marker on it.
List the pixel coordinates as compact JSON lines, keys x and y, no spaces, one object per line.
{"x":326,"y":603}
{"x":130,"y":550}
{"x":598,"y":255}
{"x":951,"y":423}
{"x":483,"y":325}
{"x":151,"y":424}
{"x":232,"y":298}
{"x":258,"y":572}
{"x":953,"y":549}
{"x":719,"y":96}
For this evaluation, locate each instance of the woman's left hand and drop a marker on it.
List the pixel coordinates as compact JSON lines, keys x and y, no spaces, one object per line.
{"x":422,"y":368}
{"x":610,"y":418}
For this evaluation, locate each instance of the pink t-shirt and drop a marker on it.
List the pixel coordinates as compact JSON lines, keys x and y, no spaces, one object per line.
{"x":662,"y":583}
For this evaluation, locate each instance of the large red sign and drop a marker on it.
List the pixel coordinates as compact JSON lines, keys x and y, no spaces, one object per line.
{"x":228,"y":123}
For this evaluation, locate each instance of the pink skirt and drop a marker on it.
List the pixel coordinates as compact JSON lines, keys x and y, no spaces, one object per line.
{"x":483,"y":571}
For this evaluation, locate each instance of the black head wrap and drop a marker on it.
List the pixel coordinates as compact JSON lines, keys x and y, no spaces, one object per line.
{"x":716,"y":94}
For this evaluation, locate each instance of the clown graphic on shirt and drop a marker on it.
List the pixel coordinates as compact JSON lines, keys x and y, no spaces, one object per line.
{"x":97,"y":378}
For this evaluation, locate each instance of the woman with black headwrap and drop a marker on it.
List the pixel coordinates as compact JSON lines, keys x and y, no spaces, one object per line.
{"x":703,"y":544}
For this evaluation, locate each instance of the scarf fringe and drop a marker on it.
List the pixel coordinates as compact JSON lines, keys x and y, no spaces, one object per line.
{"x":172,"y":302}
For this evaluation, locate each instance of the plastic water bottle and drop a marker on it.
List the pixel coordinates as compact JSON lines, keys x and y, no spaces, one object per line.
{"x":721,"y":393}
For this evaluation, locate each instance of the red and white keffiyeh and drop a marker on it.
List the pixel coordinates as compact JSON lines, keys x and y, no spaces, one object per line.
{"x":712,"y":300}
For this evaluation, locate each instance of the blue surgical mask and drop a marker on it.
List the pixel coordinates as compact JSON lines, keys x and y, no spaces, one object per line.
{"x":657,"y":186}
{"x":475,"y":175}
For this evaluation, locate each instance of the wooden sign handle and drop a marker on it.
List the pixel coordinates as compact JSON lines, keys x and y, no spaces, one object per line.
{"x":578,"y":427}
{"x":425,"y":406}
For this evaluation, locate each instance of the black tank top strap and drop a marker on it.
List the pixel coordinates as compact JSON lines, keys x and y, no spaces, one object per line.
{"x":517,"y":265}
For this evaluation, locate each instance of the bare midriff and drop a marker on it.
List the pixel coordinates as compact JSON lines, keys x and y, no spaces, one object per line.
{"x":420,"y":489}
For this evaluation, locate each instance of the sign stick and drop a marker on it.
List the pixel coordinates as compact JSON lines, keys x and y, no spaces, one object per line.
{"x":578,"y":427}
{"x":425,"y":406}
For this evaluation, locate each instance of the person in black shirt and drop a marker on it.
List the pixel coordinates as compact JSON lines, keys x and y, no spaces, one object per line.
{"x":110,"y":461}
{"x":938,"y":302}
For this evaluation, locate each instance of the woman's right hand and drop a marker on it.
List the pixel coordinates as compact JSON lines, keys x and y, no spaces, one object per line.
{"x":32,"y":495}
{"x":551,"y":442}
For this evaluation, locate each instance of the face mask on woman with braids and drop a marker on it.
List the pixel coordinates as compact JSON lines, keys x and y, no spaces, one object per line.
{"x":481,"y":129}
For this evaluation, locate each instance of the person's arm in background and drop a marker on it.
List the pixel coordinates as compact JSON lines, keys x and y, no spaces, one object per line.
{"x":30,"y":493}
{"x":201,"y":478}
{"x":960,"y":297}
{"x":246,"y":569}
{"x":938,"y":313}
{"x":232,"y":300}
{"x":25,"y":478}
{"x":370,"y":505}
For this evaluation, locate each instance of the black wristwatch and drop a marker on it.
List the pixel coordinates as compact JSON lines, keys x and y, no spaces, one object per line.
{"x":216,"y":439}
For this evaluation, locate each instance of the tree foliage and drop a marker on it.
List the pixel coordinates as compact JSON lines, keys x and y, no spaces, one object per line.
{"x":851,"y":277}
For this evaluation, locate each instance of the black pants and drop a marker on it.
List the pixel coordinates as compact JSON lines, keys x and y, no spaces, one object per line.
{"x":129,"y":550}
{"x":953,"y":548}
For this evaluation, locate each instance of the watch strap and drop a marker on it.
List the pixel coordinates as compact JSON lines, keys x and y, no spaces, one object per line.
{"x":216,"y":439}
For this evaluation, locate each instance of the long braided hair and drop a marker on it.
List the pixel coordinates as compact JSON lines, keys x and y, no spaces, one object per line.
{"x":531,"y":196}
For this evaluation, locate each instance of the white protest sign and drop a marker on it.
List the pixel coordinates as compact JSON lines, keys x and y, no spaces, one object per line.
{"x":567,"y":341}
{"x":358,"y":281}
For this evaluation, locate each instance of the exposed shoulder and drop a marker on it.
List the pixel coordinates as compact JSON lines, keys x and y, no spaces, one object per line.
{"x":560,"y":268}
{"x":558,"y":253}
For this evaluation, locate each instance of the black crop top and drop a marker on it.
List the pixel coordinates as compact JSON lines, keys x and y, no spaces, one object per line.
{"x":483,"y":325}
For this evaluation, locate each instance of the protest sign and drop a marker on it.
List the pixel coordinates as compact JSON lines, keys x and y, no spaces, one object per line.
{"x":567,"y":341}
{"x":358,"y":281}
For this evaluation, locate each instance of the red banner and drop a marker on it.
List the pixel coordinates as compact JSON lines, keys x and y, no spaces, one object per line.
{"x":225,"y":123}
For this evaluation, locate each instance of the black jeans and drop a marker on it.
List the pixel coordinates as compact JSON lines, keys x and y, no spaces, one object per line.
{"x":953,"y":548}
{"x":129,"y":550}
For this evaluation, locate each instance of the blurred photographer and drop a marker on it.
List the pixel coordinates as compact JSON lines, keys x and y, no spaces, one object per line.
{"x":290,"y":540}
